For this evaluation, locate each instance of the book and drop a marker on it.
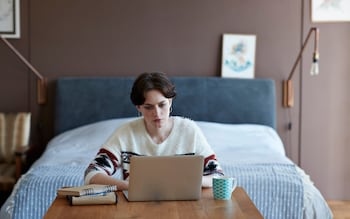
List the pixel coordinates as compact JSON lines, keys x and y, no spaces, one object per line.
{"x":91,"y":189}
{"x":98,"y":199}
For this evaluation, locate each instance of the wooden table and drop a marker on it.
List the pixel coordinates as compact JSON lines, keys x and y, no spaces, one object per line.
{"x":240,"y":206}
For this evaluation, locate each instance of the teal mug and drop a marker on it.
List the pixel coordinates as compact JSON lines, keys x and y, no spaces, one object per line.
{"x":223,"y":187}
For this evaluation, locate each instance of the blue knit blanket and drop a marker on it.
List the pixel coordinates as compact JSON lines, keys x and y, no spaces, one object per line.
{"x":276,"y":189}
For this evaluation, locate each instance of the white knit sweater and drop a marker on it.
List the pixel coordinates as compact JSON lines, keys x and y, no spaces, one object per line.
{"x":132,"y":139}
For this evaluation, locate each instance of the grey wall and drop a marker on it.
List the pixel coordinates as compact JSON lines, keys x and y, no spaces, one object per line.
{"x":114,"y":37}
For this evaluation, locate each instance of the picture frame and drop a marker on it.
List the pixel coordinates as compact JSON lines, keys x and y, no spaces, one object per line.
{"x":330,"y":11}
{"x":238,"y":55}
{"x":10,"y":18}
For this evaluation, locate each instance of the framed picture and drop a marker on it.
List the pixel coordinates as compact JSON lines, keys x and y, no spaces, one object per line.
{"x":9,"y":18}
{"x":330,"y":10}
{"x":238,"y":56}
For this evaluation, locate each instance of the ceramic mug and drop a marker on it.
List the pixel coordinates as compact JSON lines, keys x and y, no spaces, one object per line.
{"x":223,"y":187}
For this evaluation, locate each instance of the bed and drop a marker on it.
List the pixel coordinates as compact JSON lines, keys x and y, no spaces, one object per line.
{"x":237,"y":116}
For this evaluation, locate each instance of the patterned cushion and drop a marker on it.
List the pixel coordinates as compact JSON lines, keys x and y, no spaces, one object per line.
{"x":14,"y":132}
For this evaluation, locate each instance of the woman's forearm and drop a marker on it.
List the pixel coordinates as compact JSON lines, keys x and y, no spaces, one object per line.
{"x":108,"y":180}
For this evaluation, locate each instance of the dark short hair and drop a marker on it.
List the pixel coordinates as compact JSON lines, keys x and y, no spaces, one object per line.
{"x":151,"y":81}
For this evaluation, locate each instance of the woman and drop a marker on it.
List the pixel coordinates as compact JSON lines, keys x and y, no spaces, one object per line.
{"x":155,"y":133}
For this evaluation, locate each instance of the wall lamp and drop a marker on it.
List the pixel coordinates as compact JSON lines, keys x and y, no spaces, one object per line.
{"x":41,"y":81}
{"x":288,"y":93}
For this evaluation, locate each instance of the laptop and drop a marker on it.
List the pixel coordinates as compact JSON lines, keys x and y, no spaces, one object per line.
{"x":165,"y":178}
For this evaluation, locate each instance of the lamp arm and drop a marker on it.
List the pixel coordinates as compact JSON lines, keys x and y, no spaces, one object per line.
{"x":287,"y":85}
{"x":24,"y":60}
{"x":41,"y":83}
{"x":302,"y":49}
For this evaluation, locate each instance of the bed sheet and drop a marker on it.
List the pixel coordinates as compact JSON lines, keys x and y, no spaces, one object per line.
{"x":241,"y":150}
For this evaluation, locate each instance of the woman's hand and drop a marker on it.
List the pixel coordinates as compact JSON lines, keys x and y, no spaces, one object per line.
{"x":207,"y":181}
{"x":108,"y":180}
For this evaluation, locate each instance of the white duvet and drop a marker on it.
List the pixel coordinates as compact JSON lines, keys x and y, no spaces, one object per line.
{"x":231,"y":143}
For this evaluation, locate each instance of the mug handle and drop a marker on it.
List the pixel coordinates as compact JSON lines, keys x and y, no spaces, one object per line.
{"x":234,"y":184}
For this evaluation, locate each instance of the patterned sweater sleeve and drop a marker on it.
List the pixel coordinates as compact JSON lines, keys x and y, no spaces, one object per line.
{"x":105,"y":162}
{"x":108,"y":159}
{"x":211,"y":164}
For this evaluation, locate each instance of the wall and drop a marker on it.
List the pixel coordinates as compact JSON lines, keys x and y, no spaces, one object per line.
{"x":114,"y":37}
{"x":325,"y":105}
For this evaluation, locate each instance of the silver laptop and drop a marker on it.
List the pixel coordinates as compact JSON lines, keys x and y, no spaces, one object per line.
{"x":161,"y":178}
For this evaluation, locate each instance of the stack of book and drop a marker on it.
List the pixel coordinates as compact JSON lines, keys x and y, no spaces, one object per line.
{"x":92,"y":194}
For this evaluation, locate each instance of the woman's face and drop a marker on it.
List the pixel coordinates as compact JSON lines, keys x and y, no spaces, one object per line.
{"x":155,"y":109}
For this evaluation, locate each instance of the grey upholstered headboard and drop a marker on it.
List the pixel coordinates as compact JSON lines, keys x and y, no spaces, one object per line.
{"x":80,"y":101}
